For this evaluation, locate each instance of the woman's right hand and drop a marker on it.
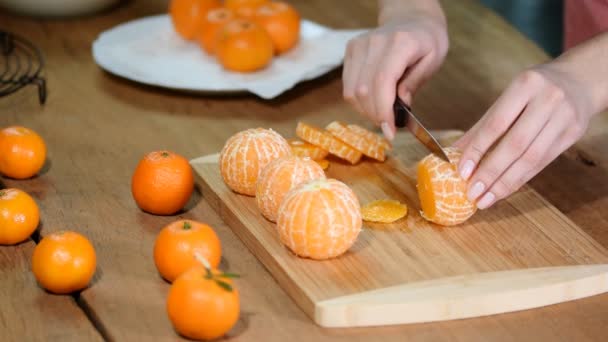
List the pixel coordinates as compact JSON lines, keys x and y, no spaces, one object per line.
{"x":396,"y":57}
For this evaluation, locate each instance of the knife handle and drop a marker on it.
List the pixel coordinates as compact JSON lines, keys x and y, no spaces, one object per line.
{"x":400,"y":109}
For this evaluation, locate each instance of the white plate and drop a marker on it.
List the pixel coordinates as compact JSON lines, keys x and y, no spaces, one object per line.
{"x":149,"y":51}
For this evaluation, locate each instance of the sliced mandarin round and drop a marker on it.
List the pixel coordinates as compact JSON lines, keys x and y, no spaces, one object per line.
{"x":210,"y":26}
{"x":442,"y":191}
{"x":320,"y":219}
{"x":368,"y":147}
{"x":280,"y":176}
{"x":245,"y":155}
{"x":303,"y":149}
{"x":324,"y":163}
{"x":325,"y":140}
{"x":383,"y":211}
{"x":367,"y":134}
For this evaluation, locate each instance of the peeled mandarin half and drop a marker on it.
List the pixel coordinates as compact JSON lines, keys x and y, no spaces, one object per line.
{"x":383,"y":211}
{"x":245,"y":155}
{"x":442,"y":192}
{"x":320,"y":219}
{"x":280,"y":176}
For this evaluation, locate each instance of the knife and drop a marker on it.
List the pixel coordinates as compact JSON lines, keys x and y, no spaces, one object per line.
{"x":405,"y":118}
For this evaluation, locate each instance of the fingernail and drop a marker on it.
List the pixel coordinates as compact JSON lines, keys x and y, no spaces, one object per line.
{"x":387,"y":131}
{"x":486,"y":201}
{"x":467,"y":169}
{"x":476,"y":190}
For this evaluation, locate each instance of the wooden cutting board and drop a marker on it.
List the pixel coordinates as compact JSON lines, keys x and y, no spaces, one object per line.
{"x":520,"y":254}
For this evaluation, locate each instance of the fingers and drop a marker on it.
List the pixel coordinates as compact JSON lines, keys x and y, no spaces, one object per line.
{"x":396,"y":58}
{"x":497,"y":121}
{"x":356,"y":54}
{"x":510,"y":148}
{"x":538,"y":155}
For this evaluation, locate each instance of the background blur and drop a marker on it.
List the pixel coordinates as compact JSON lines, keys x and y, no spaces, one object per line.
{"x":539,"y":20}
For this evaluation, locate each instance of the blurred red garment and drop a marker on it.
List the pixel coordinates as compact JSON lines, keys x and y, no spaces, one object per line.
{"x":584,"y":19}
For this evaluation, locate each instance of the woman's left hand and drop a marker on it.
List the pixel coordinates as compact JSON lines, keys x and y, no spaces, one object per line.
{"x":542,"y":113}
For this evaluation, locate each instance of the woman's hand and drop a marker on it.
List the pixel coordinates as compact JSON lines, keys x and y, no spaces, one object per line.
{"x":544,"y":111}
{"x":397,"y":56}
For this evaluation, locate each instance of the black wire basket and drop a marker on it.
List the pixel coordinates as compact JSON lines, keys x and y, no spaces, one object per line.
{"x":21,"y":64}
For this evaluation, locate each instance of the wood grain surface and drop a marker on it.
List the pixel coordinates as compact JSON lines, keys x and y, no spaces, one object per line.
{"x":522,"y":232}
{"x":97,"y":126}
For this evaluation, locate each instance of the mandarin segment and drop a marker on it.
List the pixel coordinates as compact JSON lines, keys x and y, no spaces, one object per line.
{"x":442,"y":191}
{"x":324,"y":163}
{"x":325,"y":140}
{"x":303,"y":149}
{"x":367,"y":134}
{"x":280,"y":176}
{"x":245,"y":155}
{"x":320,"y":219}
{"x":368,"y":147}
{"x":383,"y":211}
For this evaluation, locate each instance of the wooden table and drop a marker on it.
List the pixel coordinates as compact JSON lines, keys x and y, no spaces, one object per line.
{"x":97,"y":126}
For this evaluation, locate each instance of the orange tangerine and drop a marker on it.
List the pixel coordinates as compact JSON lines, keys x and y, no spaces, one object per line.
{"x":383,"y":211}
{"x":320,"y":219}
{"x":243,"y":46}
{"x":210,"y":26}
{"x":368,"y":147}
{"x":245,"y":155}
{"x":442,"y":192}
{"x":303,"y":149}
{"x":325,"y":140}
{"x":282,"y":22}
{"x":187,"y":15}
{"x":280,"y":176}
{"x":22,"y":152}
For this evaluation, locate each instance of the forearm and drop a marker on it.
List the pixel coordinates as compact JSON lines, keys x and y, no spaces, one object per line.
{"x":587,"y":65}
{"x":394,"y":9}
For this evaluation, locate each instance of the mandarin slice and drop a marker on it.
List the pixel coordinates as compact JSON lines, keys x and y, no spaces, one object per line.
{"x":324,"y":163}
{"x":383,"y":211}
{"x":303,"y":149}
{"x":280,"y":176}
{"x":367,"y":147}
{"x":442,"y":191}
{"x":371,"y":136}
{"x":245,"y":155}
{"x":325,"y":140}
{"x":320,"y":219}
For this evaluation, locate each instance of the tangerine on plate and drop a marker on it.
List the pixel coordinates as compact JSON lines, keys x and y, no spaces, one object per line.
{"x":236,"y":4}
{"x":162,"y":183}
{"x":22,"y":152}
{"x":243,"y":46}
{"x":367,"y":134}
{"x":19,"y":216}
{"x":383,"y":211}
{"x":320,"y":219}
{"x":442,"y":192}
{"x":325,"y":140}
{"x":203,"y":304}
{"x":280,"y":176}
{"x":245,"y":155}
{"x":179,"y":244}
{"x":64,"y":262}
{"x":368,"y":147}
{"x":187,"y":15}
{"x":303,"y":149}
{"x":282,"y":22}
{"x":212,"y":23}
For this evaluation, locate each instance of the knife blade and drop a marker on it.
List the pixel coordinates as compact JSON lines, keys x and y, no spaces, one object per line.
{"x":405,"y":118}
